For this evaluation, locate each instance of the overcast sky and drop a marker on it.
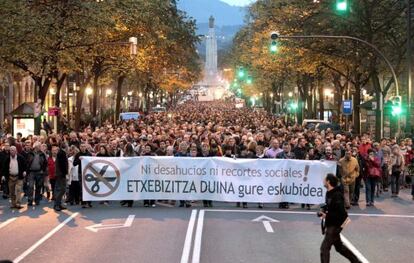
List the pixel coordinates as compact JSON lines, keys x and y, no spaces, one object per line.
{"x":238,"y":2}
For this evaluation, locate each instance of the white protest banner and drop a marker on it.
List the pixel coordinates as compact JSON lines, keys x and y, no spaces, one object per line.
{"x":214,"y":178}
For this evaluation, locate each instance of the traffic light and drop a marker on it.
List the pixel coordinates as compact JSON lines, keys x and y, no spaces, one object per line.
{"x":342,"y":5}
{"x":249,"y":80}
{"x":241,"y":73}
{"x":273,"y":47}
{"x":293,"y":106}
{"x":396,"y":108}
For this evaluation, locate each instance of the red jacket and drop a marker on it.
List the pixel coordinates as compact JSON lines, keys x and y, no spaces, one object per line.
{"x":363,"y":149}
{"x":373,"y":167}
{"x":51,"y":168}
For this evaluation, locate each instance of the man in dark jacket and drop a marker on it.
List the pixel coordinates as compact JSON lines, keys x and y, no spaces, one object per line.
{"x":36,"y":167}
{"x":335,"y":217}
{"x":77,"y":162}
{"x":15,"y":170}
{"x":61,"y":170}
{"x":4,"y":153}
{"x":300,"y":150}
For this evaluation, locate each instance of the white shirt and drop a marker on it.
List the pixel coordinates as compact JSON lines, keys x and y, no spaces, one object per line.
{"x":14,"y":166}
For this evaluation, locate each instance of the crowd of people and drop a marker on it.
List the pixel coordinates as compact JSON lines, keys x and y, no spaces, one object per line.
{"x":48,"y":167}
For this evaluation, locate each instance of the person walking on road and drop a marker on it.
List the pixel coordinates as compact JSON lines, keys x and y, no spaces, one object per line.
{"x":4,"y":153}
{"x":372,"y":175}
{"x":77,"y":162}
{"x":37,"y":167}
{"x":15,"y":172}
{"x":397,"y":166}
{"x":335,"y":217}
{"x":61,"y":170}
{"x":51,"y":168}
{"x":349,"y":168}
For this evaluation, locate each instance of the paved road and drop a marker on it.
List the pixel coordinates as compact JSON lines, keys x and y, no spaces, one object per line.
{"x":222,"y":234}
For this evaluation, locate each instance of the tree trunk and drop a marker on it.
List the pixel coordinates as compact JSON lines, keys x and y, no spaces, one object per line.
{"x":95,"y":95}
{"x":378,"y":112}
{"x":59,"y":85}
{"x":79,"y":99}
{"x":121,"y":79}
{"x":357,"y":103}
{"x":321,"y":100}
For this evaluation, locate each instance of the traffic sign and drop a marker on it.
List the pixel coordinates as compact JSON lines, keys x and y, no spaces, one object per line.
{"x":101,"y":178}
{"x":347,"y":107}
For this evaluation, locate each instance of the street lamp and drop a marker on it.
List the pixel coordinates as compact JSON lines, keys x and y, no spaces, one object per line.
{"x":129,"y":93}
{"x":290,"y":94}
{"x":133,"y":41}
{"x":271,"y":95}
{"x":108,"y":92}
{"x":89,"y":91}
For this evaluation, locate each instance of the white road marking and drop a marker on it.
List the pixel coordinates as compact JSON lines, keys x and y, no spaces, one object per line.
{"x":351,"y":247}
{"x":189,"y":237}
{"x":306,"y":213}
{"x":96,"y":227}
{"x":43,"y":239}
{"x":198,"y":236}
{"x":8,"y":221}
{"x":268,"y":227}
{"x":266,"y":222}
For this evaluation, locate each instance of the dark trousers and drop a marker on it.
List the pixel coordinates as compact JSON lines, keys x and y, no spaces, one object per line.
{"x":75,"y":194}
{"x":35,"y":182}
{"x":395,"y":182}
{"x":412,"y":185}
{"x":60,"y":189}
{"x":84,"y":203}
{"x":370,"y":184}
{"x":185,"y":203}
{"x":384,"y":177}
{"x":357,"y":189}
{"x":149,"y":202}
{"x":53,"y":186}
{"x":332,"y":237}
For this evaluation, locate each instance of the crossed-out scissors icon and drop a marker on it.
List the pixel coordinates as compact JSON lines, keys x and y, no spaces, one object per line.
{"x":98,"y":178}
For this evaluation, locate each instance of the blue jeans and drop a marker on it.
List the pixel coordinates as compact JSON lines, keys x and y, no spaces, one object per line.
{"x":370,"y":184}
